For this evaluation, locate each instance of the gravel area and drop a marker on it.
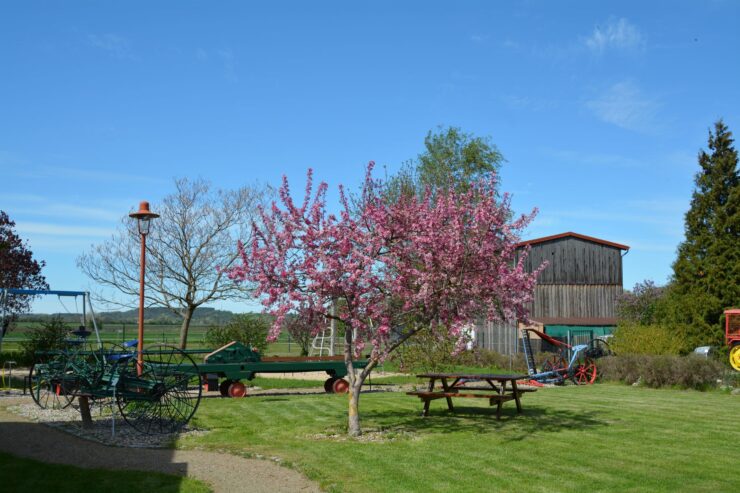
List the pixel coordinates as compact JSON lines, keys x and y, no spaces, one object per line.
{"x":53,"y":436}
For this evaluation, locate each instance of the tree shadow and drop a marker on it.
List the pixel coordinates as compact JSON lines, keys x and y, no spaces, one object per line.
{"x":44,"y":444}
{"x":515,"y":427}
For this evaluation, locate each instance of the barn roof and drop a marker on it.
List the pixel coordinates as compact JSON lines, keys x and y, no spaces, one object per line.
{"x":573,"y":235}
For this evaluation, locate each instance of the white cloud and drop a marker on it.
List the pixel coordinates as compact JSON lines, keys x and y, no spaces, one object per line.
{"x":56,"y":209}
{"x":26,"y":228}
{"x":617,"y":34}
{"x":595,"y":158}
{"x":113,"y":44}
{"x":85,"y":174}
{"x":624,"y":105}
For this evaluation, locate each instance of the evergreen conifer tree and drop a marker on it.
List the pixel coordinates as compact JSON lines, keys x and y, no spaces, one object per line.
{"x":706,"y":274}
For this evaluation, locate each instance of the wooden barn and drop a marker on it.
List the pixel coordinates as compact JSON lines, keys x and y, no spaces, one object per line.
{"x":579,"y":287}
{"x":576,"y":293}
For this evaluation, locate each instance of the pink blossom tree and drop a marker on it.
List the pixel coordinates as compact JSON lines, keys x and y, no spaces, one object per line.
{"x":391,"y":268}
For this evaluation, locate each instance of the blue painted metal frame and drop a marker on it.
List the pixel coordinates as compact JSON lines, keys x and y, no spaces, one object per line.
{"x":34,"y":292}
{"x":555,"y":376}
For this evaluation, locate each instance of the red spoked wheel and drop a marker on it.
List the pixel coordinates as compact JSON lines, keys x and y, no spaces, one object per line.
{"x":340,"y":386}
{"x":237,"y":389}
{"x":584,"y":372}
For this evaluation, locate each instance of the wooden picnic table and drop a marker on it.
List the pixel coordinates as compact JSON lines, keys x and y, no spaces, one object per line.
{"x":491,"y":386}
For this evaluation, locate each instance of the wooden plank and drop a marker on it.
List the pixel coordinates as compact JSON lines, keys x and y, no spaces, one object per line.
{"x":440,"y":395}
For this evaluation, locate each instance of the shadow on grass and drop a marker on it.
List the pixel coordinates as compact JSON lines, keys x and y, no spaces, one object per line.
{"x":511,"y":426}
{"x":32,"y":447}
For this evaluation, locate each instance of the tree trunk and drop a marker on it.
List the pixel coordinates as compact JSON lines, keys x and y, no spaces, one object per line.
{"x":353,"y":425}
{"x":186,"y":318}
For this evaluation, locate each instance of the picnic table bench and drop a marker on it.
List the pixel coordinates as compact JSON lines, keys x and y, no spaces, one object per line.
{"x":494,"y":389}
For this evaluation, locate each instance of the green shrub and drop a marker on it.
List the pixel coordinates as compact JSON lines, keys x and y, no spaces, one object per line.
{"x":426,"y":353}
{"x":49,"y":336}
{"x":20,"y":357}
{"x":688,"y":372}
{"x":249,"y":329}
{"x":632,"y":338}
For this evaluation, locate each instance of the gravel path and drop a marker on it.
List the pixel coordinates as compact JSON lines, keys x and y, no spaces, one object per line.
{"x":223,"y":472}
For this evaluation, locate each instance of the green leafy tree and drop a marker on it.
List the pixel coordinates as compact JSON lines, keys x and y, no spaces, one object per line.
{"x":641,"y":304}
{"x":49,"y":336}
{"x":451,"y":156}
{"x":706,"y":274}
{"x":250,"y":329}
{"x":18,"y":269}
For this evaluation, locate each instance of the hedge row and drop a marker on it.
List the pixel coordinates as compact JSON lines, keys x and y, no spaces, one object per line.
{"x":687,"y":372}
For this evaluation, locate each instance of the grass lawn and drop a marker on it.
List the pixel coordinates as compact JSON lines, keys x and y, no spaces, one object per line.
{"x":599,"y":438}
{"x":29,"y":475}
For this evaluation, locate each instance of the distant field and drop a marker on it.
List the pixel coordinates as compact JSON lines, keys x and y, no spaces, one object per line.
{"x":118,"y":333}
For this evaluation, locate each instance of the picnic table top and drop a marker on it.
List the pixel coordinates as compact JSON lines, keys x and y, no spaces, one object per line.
{"x":475,"y":376}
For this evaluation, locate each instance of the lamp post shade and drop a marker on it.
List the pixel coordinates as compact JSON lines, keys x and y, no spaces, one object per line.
{"x":143,"y":216}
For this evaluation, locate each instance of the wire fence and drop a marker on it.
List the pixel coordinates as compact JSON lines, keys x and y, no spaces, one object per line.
{"x":119,"y":333}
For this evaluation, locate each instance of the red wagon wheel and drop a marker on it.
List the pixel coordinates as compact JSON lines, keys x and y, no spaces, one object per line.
{"x":341,"y":386}
{"x":237,"y":389}
{"x":584,"y":372}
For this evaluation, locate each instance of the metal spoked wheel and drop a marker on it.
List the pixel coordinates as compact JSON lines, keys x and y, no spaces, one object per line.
{"x":598,"y":348}
{"x":105,"y":365}
{"x":162,"y":394}
{"x":584,"y":372}
{"x":735,"y":356}
{"x":47,"y":385}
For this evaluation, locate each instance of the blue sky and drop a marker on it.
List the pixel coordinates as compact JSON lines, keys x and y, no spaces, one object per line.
{"x":599,"y":107}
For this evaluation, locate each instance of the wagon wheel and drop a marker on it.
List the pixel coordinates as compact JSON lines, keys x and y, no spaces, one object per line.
{"x":223,"y":387}
{"x":598,"y":348}
{"x":329,"y":385}
{"x":584,"y":372}
{"x":735,"y":356}
{"x":340,"y":386}
{"x":237,"y":389}
{"x":106,"y":363}
{"x":46,"y":382}
{"x":164,"y":395}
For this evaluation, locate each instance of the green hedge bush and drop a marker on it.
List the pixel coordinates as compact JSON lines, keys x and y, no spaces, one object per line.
{"x":633,"y":338}
{"x":249,"y":329}
{"x":655,"y":371}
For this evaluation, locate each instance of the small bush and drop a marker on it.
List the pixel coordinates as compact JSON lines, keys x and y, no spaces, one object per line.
{"x":49,"y":336}
{"x":249,"y":329}
{"x":655,"y":371}
{"x":20,"y":357}
{"x":426,"y":353}
{"x":632,"y":338}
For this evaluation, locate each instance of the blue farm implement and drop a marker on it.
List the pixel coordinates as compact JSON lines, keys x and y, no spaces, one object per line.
{"x":575,"y":363}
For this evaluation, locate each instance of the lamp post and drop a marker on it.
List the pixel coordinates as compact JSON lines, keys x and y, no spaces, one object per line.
{"x":143,"y":216}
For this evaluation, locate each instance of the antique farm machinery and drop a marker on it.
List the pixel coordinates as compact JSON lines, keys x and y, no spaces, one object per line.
{"x":732,"y":336}
{"x":576,"y":362}
{"x":228,"y":365}
{"x":157,"y":395}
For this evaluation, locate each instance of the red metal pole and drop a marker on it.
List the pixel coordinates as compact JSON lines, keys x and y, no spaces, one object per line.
{"x":140,"y":346}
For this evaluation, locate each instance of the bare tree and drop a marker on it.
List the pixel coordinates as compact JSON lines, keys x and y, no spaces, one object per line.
{"x":189,"y":244}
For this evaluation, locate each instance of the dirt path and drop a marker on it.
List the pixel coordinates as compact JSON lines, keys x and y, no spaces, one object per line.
{"x":223,"y":472}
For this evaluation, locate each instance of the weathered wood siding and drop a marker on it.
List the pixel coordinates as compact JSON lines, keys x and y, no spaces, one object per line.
{"x":575,"y":300}
{"x":576,"y":261}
